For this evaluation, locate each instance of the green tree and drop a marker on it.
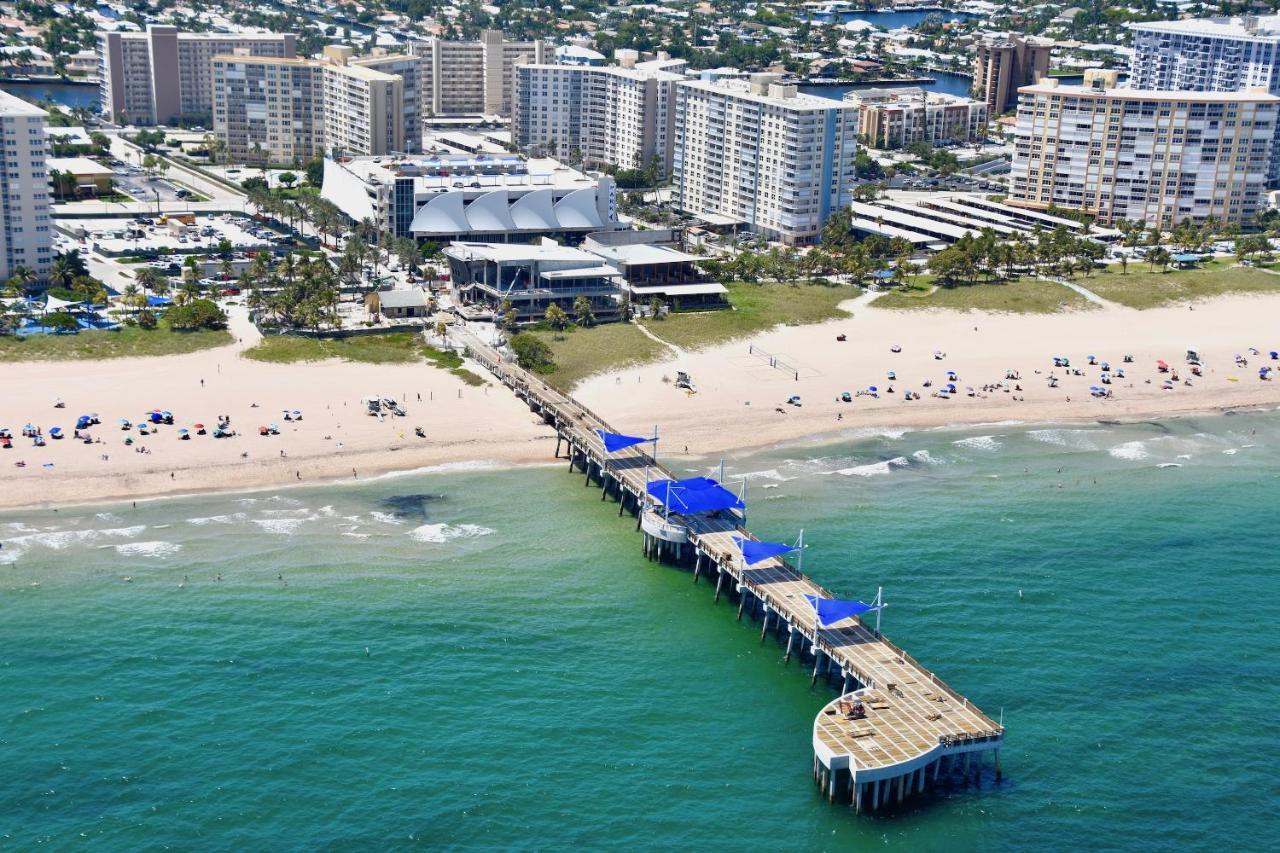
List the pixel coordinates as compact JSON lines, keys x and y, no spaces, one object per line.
{"x":556,"y":318}
{"x":197,"y":314}
{"x":532,"y":353}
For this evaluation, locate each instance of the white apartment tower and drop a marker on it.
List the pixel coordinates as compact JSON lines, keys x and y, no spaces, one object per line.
{"x":1209,"y":55}
{"x":763,"y":155}
{"x":1153,"y":157}
{"x":622,"y":116}
{"x":154,"y":77}
{"x":26,"y":239}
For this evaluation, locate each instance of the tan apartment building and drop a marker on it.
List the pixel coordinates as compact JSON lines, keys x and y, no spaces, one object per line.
{"x":473,"y":77}
{"x":268,"y":110}
{"x":284,"y":111}
{"x":1003,"y":62}
{"x":157,"y":76}
{"x":1157,"y":157}
{"x":410,"y":71}
{"x":893,"y":118}
{"x":363,"y":111}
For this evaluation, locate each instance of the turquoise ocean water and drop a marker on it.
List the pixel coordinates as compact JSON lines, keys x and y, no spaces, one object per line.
{"x":481,"y":658}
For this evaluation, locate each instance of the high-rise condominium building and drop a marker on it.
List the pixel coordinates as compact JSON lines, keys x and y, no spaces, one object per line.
{"x":268,"y":109}
{"x":160,"y":75}
{"x":763,"y":155}
{"x":287,"y":110}
{"x":1209,"y":55}
{"x":606,"y":115}
{"x":410,"y":71}
{"x":1149,"y":156}
{"x":363,"y":111}
{"x":26,"y":239}
{"x":892,"y":118}
{"x":1005,"y":61}
{"x":473,"y":77}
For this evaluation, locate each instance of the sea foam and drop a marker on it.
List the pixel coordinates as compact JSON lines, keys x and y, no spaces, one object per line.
{"x":148,"y":549}
{"x":874,"y":469}
{"x":440,"y":533}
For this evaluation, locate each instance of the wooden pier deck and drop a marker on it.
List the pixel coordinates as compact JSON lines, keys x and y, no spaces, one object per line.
{"x":915,"y":726}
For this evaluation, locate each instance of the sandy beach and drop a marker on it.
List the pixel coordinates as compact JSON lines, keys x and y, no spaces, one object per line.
{"x":738,"y":393}
{"x":735,"y":407}
{"x":334,"y":439}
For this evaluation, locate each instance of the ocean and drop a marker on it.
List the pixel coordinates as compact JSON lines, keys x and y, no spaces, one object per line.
{"x":472,"y":657}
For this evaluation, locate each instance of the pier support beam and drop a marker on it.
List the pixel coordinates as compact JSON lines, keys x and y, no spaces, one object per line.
{"x":719,"y":584}
{"x":742,"y":600}
{"x":817,"y":662}
{"x":875,"y":803}
{"x":764,"y":630}
{"x":697,"y":568}
{"x":857,"y":797}
{"x":791,"y":639}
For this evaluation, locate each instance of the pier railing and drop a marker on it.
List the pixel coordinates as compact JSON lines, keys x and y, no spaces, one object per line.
{"x":916,"y":722}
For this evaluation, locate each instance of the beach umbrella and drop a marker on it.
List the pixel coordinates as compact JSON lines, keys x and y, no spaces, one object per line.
{"x":1162,"y":364}
{"x":1274,"y":355}
{"x":873,"y":389}
{"x":951,"y":389}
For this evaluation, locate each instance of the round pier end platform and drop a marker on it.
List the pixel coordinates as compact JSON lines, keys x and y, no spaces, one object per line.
{"x":667,"y":529}
{"x":876,"y":746}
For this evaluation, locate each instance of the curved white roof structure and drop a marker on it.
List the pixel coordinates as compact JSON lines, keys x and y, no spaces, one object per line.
{"x":444,"y":214}
{"x":347,"y":192}
{"x":490,"y":212}
{"x":535,"y":211}
{"x":578,"y":210}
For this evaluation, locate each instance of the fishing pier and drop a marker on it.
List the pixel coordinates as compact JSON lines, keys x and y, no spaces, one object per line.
{"x":895,"y":730}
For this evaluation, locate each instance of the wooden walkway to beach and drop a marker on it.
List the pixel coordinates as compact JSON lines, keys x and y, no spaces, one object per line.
{"x":915,"y":726}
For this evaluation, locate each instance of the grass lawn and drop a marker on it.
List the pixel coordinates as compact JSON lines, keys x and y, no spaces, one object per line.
{"x":1140,"y":287}
{"x":1020,"y":296}
{"x":127,"y":342}
{"x":393,"y":348}
{"x":586,"y":352}
{"x":756,"y":307}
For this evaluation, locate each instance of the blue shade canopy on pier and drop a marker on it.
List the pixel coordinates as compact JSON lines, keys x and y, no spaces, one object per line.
{"x":833,"y":610}
{"x":756,"y":552}
{"x":696,"y":494}
{"x":613,"y":441}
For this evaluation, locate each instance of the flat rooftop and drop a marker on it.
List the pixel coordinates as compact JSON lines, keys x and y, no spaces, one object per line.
{"x":742,"y":89}
{"x":517,"y":252}
{"x":644,"y":253}
{"x":1267,"y":28}
{"x":1051,"y":88}
{"x":461,"y":171}
{"x":12,"y":105}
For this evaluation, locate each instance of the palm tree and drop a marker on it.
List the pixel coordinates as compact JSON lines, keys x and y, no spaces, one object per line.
{"x":1158,"y":255}
{"x":23,"y":277}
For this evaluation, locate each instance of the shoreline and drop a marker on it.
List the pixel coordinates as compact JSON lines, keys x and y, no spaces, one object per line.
{"x":850,"y":433}
{"x":735,"y":410}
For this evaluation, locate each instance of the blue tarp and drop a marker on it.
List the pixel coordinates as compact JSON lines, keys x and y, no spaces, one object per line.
{"x":833,"y":610}
{"x":158,"y":301}
{"x":613,"y":442}
{"x":696,"y":494}
{"x":755,"y":552}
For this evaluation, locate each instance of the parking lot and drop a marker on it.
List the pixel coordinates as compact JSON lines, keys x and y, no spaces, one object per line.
{"x":132,"y":236}
{"x":147,"y":188}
